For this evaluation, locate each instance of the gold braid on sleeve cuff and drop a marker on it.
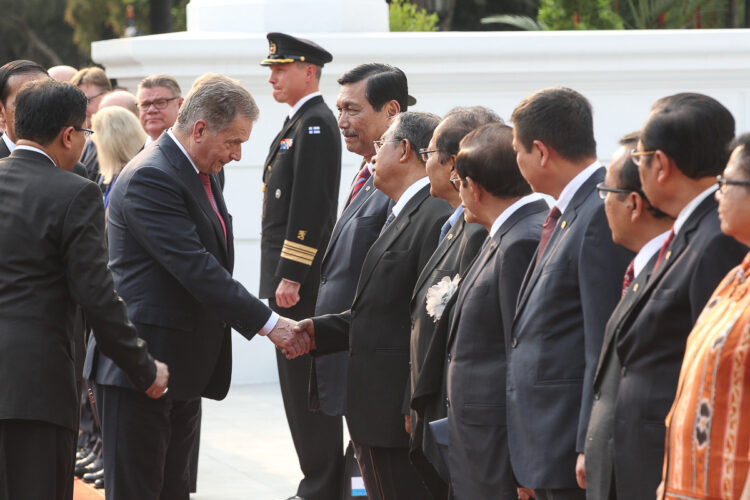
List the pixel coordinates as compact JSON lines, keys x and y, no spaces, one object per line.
{"x":298,"y":253}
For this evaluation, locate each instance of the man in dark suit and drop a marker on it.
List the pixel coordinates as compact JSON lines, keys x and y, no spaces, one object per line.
{"x":171,"y":251}
{"x":569,"y":292}
{"x":683,"y":146}
{"x":300,"y":193}
{"x":54,"y":258}
{"x":495,"y":195}
{"x":93,"y":81}
{"x":376,"y":328}
{"x":459,"y":243}
{"x":13,"y":76}
{"x":370,"y":96}
{"x":642,"y":229}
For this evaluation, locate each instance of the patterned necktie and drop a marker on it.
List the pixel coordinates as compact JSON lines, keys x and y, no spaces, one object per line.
{"x":663,"y":250}
{"x":360,"y":181}
{"x":629,"y":276}
{"x":547,"y":228}
{"x":387,"y":222}
{"x":206,"y":180}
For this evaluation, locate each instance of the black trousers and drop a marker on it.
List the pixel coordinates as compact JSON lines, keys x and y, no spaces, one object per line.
{"x":146,"y":444}
{"x":36,"y":460}
{"x":389,"y":475}
{"x":318,"y":438}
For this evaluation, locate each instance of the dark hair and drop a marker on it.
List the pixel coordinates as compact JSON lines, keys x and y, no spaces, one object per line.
{"x":44,"y":107}
{"x":559,"y":117}
{"x":385,"y":83}
{"x":486,"y":155}
{"x":459,"y":122}
{"x":416,"y":127}
{"x":13,"y":68}
{"x":694,"y":130}
{"x":743,"y":159}
{"x":629,"y":177}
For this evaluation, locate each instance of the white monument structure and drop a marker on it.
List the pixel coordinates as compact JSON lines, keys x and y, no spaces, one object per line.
{"x":621,"y":72}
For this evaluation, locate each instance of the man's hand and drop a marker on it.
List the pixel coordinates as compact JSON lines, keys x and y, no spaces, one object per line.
{"x":287,"y":293}
{"x":291,"y":342}
{"x":660,"y":491}
{"x":581,"y":471}
{"x":159,"y":387}
{"x":525,"y":493}
{"x":407,"y":423}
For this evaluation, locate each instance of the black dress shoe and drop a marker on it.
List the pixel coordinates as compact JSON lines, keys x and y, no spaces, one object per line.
{"x":81,"y":465}
{"x":99,"y":483}
{"x":91,"y":477}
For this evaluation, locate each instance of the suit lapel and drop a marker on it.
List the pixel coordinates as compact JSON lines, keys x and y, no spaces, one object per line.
{"x":186,"y":173}
{"x":274,"y":148}
{"x":4,"y":151}
{"x":350,"y":211}
{"x":448,"y":242}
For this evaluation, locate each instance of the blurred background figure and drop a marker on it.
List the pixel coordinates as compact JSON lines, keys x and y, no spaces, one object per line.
{"x":118,"y":137}
{"x":159,"y":99}
{"x":62,"y":73}
{"x":95,"y":85}
{"x":121,"y":98}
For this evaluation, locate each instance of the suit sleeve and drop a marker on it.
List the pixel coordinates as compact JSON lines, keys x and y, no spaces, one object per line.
{"x":315,"y":188}
{"x":332,"y":332}
{"x":601,"y":266}
{"x":158,"y":218}
{"x":92,"y":287}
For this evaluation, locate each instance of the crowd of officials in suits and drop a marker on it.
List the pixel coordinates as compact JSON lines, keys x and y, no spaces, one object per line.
{"x":494,"y":313}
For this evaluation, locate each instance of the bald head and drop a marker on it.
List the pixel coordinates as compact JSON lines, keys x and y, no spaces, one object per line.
{"x":121,"y":98}
{"x":62,"y":73}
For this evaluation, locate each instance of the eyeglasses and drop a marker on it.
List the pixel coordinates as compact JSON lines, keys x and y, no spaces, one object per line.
{"x":87,"y":132}
{"x":636,"y":156}
{"x":603,"y":190}
{"x":426,"y":153}
{"x":379,"y":143}
{"x":159,"y":104}
{"x":455,"y":182}
{"x":89,"y":99}
{"x":721,"y":182}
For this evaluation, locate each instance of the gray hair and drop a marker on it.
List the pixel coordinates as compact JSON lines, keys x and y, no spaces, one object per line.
{"x":217,"y":101}
{"x":416,"y":127}
{"x":161,"y":80}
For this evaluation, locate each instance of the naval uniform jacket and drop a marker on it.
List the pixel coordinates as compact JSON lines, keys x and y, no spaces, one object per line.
{"x":300,"y":193}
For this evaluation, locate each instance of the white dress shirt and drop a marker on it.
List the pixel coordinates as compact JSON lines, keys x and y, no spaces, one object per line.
{"x":647,"y":251}
{"x":572,"y":187}
{"x":505,"y":215}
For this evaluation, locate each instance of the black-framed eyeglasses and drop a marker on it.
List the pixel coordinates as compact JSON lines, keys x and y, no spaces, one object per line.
{"x":426,"y":153}
{"x":159,"y":104}
{"x":603,"y":189}
{"x":637,"y":156}
{"x":379,"y":143}
{"x":721,"y":182}
{"x":89,"y":99}
{"x":87,"y":132}
{"x":455,"y":182}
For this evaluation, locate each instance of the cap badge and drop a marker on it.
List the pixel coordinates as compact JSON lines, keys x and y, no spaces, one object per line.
{"x":271,"y":47}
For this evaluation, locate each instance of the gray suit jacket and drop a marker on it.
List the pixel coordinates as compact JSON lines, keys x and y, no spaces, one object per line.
{"x":557,"y":335}
{"x":353,"y":235}
{"x":599,"y":449}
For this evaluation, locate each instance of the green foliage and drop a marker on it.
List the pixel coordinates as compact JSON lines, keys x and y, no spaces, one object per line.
{"x":579,"y":15}
{"x":678,"y":14}
{"x":522,"y":23}
{"x":405,"y":16}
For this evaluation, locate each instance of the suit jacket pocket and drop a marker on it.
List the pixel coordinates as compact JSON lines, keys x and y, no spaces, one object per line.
{"x":161,"y":316}
{"x":481,"y":414}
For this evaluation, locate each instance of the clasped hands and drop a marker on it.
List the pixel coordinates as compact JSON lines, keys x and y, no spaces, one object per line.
{"x":294,"y":339}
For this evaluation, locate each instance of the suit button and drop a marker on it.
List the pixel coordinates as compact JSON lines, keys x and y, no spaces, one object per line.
{"x":514,"y":342}
{"x":323,"y":280}
{"x":447,"y":403}
{"x":449,"y":357}
{"x":624,"y":371}
{"x":596,"y":396}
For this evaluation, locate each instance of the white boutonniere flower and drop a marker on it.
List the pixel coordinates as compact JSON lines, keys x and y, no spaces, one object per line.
{"x":438,"y":295}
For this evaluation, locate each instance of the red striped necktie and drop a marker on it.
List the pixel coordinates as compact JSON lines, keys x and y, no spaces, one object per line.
{"x":629,"y":276}
{"x":206,"y":180}
{"x":547,"y":228}
{"x":663,"y":250}
{"x":364,"y":174}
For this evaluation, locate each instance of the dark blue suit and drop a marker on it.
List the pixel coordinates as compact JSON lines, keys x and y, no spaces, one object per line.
{"x":173,"y":269}
{"x":557,"y":334}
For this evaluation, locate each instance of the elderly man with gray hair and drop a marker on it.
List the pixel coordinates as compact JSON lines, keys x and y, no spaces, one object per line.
{"x":171,"y":254}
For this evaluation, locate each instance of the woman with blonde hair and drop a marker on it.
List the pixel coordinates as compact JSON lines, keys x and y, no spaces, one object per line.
{"x":118,"y":136}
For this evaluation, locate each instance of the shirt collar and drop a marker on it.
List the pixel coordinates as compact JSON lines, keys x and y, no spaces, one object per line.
{"x":572,"y":187}
{"x":149,"y":140}
{"x":458,"y":212}
{"x":36,"y":150}
{"x":301,"y":103}
{"x":408,"y":194}
{"x":688,"y":209}
{"x":11,"y":145}
{"x":647,"y":251}
{"x":505,"y":215}
{"x":182,"y":148}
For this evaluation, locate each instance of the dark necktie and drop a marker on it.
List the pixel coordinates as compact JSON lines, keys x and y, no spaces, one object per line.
{"x":206,"y":180}
{"x":629,"y":276}
{"x":444,"y":230}
{"x":387,"y":222}
{"x":663,"y":250}
{"x":360,"y":181}
{"x":547,"y":228}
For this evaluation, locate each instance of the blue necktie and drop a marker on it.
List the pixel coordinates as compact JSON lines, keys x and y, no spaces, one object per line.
{"x":444,"y":230}
{"x":387,"y":222}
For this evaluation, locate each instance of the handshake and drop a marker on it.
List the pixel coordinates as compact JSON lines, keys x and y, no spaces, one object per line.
{"x":294,"y":339}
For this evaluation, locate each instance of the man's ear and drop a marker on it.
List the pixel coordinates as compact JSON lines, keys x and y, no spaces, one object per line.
{"x":637,"y":205}
{"x":200,"y":129}
{"x":392,"y":108}
{"x":407,"y":150}
{"x":3,"y":122}
{"x":664,"y":166}
{"x":544,"y":152}
{"x":475,"y":190}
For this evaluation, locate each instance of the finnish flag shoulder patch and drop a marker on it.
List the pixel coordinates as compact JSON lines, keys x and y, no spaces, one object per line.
{"x":313,"y":130}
